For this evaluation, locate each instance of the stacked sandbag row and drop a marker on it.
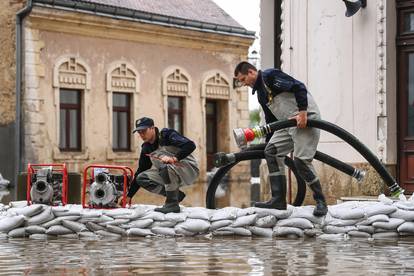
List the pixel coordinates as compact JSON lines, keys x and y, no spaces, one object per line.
{"x":351,"y":219}
{"x":382,"y":219}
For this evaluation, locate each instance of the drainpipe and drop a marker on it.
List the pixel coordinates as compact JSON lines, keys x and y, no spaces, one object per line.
{"x":20,"y":15}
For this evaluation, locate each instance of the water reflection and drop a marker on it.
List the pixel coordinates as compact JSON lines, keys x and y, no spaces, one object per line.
{"x":203,"y":256}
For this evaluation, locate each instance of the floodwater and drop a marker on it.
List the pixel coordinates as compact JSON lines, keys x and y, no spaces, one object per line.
{"x":206,"y":256}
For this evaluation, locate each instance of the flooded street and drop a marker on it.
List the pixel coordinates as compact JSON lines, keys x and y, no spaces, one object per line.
{"x":203,"y":256}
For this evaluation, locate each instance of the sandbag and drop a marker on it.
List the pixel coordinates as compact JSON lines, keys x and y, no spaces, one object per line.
{"x":164,"y":231}
{"x":366,"y":228}
{"x":266,"y":222}
{"x":224,"y":214}
{"x":9,"y":223}
{"x":91,"y":213}
{"x":295,"y":222}
{"x":38,"y":236}
{"x":93,"y":227}
{"x":405,"y":205}
{"x":306,"y":212}
{"x":329,"y":229}
{"x":35,"y":229}
{"x":134,"y":214}
{"x":385,"y":235}
{"x":263,"y":232}
{"x":279,"y":214}
{"x":407,"y":227}
{"x":195,"y":225}
{"x":114,"y":222}
{"x":18,"y":233}
{"x":176,"y":217}
{"x":379,"y":208}
{"x":376,"y":218}
{"x":313,"y":232}
{"x":180,"y":231}
{"x":107,"y":234}
{"x":239,"y":231}
{"x":165,"y":223}
{"x":403,"y":214}
{"x":86,"y":235}
{"x":346,"y":213}
{"x":45,"y":216}
{"x":220,"y":224}
{"x":141,"y":223}
{"x":74,"y":226}
{"x":154,"y":216}
{"x":359,"y":234}
{"x":57,"y":230}
{"x":27,"y":211}
{"x":139,"y":232}
{"x":392,"y":224}
{"x":58,"y":221}
{"x":116,"y":230}
{"x":281,"y":231}
{"x":244,"y":221}
{"x":197,"y":213}
{"x":333,"y":237}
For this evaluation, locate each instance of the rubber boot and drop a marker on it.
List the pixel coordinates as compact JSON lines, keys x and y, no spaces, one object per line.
{"x":181,"y":195}
{"x":321,"y":208}
{"x":278,"y":200}
{"x":171,"y":203}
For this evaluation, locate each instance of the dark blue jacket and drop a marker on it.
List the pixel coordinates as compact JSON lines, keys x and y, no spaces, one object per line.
{"x":165,"y":137}
{"x":278,"y":82}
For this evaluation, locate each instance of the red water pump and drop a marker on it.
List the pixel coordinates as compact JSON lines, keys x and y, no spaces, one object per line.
{"x":47,"y":184}
{"x":104,"y":186}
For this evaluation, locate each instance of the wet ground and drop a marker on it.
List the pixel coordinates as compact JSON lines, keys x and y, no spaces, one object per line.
{"x":203,"y":256}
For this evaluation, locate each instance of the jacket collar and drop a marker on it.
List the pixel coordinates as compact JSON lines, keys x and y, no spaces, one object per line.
{"x":258,"y":82}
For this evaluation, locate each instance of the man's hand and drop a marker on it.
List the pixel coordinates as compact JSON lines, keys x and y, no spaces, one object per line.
{"x":301,"y":119}
{"x":127,"y":201}
{"x":168,"y":159}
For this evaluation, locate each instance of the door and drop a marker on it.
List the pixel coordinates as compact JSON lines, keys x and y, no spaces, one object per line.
{"x":211,"y":133}
{"x":405,"y":42}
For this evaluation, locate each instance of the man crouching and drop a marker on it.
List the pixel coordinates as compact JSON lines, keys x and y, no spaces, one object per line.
{"x":165,"y":164}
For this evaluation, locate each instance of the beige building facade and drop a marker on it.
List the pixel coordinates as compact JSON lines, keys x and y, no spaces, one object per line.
{"x":113,"y":66}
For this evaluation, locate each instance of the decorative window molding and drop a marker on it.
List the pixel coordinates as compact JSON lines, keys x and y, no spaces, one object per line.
{"x":71,"y":72}
{"x":216,"y":85}
{"x":121,"y":76}
{"x":176,"y":81}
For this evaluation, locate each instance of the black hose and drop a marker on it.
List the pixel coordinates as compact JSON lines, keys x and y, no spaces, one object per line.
{"x":250,"y":155}
{"x":347,"y":137}
{"x":256,"y":152}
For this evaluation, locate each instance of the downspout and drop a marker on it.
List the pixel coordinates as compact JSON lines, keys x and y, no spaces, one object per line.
{"x":20,"y":15}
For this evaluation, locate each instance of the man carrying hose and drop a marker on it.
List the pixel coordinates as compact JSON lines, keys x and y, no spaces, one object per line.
{"x":282,"y":97}
{"x":165,"y":164}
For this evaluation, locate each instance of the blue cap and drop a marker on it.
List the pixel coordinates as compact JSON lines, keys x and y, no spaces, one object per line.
{"x":143,"y":123}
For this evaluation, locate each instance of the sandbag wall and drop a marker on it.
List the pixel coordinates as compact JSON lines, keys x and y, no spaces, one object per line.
{"x":381,"y":219}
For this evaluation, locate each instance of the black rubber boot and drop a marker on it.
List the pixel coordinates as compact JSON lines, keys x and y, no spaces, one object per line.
{"x":181,"y":195}
{"x":278,"y":200}
{"x":321,"y":207}
{"x":171,"y":203}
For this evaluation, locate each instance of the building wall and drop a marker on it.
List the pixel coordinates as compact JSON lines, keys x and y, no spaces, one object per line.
{"x":8,"y":10}
{"x":348,"y":64}
{"x":97,"y":45}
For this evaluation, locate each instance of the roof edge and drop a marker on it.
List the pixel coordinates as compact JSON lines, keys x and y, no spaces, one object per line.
{"x":143,"y":17}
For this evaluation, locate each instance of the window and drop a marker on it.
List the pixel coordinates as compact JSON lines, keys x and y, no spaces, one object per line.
{"x":70,"y":120}
{"x":121,"y":130}
{"x":175,"y":113}
{"x":211,"y":139}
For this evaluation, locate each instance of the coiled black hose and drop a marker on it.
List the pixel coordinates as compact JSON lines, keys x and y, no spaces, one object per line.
{"x":251,"y":155}
{"x":347,"y":137}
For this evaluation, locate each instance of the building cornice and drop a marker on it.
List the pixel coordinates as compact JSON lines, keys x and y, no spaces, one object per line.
{"x":65,"y":21}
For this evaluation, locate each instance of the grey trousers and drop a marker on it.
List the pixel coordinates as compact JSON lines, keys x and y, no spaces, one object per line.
{"x":181,"y":174}
{"x":303,"y":142}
